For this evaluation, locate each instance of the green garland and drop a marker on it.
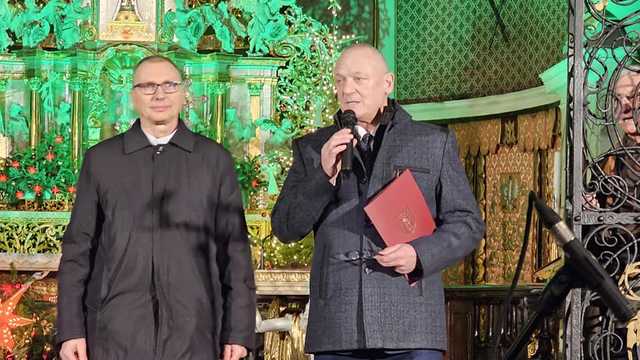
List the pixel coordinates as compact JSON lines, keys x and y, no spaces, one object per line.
{"x":305,"y":85}
{"x":248,"y":173}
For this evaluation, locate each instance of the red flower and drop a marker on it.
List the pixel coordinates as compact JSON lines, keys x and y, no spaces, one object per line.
{"x":55,"y":190}
{"x":37,"y":188}
{"x":32,"y":170}
{"x":59,"y":139}
{"x":7,"y":289}
{"x":15,"y":164}
{"x":3,"y":178}
{"x":50,"y":156}
{"x":19,"y":195}
{"x":71,"y":189}
{"x":254,"y":183}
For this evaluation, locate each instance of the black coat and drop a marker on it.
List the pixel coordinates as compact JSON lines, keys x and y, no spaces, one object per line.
{"x":155,"y":260}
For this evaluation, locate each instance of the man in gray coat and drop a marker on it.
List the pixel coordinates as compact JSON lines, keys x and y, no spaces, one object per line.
{"x":362,"y":306}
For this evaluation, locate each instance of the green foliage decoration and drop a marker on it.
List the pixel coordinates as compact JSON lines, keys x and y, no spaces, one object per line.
{"x":41,"y":174}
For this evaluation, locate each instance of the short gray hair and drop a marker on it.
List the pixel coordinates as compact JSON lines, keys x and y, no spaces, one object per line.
{"x":158,"y":58}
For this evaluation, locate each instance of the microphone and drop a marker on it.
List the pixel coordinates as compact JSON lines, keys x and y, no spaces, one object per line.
{"x":348,"y":120}
{"x":584,"y":263}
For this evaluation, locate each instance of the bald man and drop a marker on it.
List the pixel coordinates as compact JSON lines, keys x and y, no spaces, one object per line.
{"x":362,"y":306}
{"x":624,"y":161}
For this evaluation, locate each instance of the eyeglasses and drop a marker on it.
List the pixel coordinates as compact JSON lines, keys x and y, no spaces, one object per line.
{"x":355,"y":255}
{"x":150,"y":88}
{"x":363,"y":258}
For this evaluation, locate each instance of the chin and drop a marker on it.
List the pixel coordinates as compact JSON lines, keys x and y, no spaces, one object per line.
{"x":164,"y":118}
{"x":155,"y":120}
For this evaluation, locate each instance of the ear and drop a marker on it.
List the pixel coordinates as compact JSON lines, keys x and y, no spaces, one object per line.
{"x":388,"y":83}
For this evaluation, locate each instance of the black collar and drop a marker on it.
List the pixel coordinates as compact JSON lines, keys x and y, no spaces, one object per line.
{"x":135,"y":139}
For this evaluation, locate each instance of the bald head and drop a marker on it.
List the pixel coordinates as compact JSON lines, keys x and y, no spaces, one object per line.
{"x":368,"y":52}
{"x":627,"y":101}
{"x":363,"y":81}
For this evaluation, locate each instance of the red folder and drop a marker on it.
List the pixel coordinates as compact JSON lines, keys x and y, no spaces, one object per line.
{"x":399,"y":212}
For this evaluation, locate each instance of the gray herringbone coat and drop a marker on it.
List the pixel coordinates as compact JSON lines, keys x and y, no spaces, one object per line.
{"x":353,"y":307}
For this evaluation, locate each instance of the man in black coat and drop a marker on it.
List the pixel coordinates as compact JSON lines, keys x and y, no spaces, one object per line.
{"x":362,"y":306}
{"x":156,"y":260}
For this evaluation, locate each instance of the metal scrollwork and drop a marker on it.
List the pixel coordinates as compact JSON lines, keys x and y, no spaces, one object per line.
{"x":604,"y":159}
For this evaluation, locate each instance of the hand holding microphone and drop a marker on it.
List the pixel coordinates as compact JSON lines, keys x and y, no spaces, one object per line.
{"x":339,"y":148}
{"x":348,"y":120}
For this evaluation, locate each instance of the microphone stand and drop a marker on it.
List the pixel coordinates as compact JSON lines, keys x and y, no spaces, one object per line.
{"x":579,"y":265}
{"x":553,"y":295}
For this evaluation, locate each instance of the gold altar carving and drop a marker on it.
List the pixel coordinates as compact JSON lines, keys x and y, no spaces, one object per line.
{"x":30,"y":237}
{"x":282,"y":282}
{"x":472,"y":151}
{"x":537,"y":131}
{"x":474,"y":268}
{"x":36,"y":262}
{"x":495,"y":154}
{"x":258,"y":224}
{"x":471,"y":142}
{"x":510,"y":177}
{"x":127,"y":25}
{"x":284,"y":345}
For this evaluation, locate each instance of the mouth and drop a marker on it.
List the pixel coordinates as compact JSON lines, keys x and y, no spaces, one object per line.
{"x":160,"y":108}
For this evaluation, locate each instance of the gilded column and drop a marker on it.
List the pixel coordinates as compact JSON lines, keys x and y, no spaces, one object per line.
{"x":34,"y":124}
{"x":255,"y":105}
{"x":217,"y":121}
{"x":5,"y":143}
{"x":76,"y":121}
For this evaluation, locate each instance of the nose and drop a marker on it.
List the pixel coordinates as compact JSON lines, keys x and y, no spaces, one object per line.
{"x":159,"y":95}
{"x":348,"y":86}
{"x":625,"y":106}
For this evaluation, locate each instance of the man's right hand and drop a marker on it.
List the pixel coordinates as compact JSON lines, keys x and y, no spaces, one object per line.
{"x":331,"y":150}
{"x":74,"y":349}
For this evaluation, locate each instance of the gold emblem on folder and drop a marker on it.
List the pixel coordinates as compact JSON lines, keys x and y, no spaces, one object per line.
{"x":407,"y":221}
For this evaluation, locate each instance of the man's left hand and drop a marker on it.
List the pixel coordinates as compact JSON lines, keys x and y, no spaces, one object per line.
{"x":234,"y":352}
{"x":401,"y":257}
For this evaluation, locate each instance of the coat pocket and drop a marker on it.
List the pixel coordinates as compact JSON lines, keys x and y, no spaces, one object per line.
{"x":425,"y":177}
{"x":397,"y":169}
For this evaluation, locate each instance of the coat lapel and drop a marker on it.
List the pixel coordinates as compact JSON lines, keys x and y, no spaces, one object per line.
{"x":391,"y":140}
{"x":378,"y":180}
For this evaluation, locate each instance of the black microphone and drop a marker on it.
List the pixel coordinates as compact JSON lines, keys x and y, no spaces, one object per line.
{"x":584,"y":263}
{"x":348,"y":120}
